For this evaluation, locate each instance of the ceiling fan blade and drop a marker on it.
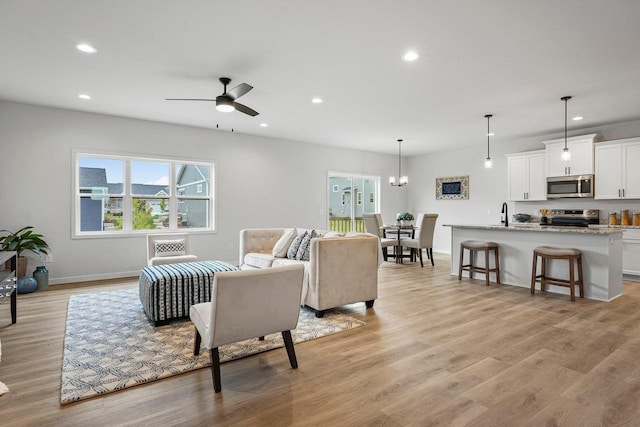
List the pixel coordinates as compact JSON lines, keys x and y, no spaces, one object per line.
{"x":188,"y":99}
{"x":244,"y":109}
{"x":239,"y":90}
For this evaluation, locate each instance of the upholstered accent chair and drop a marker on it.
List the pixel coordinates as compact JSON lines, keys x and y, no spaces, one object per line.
{"x":423,"y":238}
{"x":248,"y":304}
{"x":168,"y":249}
{"x":372,"y":224}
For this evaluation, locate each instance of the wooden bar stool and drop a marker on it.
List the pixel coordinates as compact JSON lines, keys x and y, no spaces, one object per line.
{"x":474,"y":246}
{"x":548,"y":252}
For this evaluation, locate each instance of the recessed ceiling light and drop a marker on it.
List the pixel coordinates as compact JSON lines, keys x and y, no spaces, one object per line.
{"x":86,"y":48}
{"x":577,"y":118}
{"x":84,"y":96}
{"x":316,"y":101}
{"x":410,"y":56}
{"x":263,"y":125}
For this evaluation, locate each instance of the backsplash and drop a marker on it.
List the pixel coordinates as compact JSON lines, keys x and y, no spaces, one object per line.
{"x":604,"y":206}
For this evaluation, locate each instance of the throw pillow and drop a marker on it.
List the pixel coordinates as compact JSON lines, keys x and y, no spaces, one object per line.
{"x":304,"y":251}
{"x":282,"y":245}
{"x":295,"y":245}
{"x":169,"y":247}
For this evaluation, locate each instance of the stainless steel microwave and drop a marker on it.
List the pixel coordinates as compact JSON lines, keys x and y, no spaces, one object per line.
{"x":570,"y":186}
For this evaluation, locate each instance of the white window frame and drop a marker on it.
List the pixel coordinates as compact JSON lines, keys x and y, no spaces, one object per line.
{"x":127,"y":202}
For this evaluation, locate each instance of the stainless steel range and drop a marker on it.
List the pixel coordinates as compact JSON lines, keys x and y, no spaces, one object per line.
{"x":573,"y":217}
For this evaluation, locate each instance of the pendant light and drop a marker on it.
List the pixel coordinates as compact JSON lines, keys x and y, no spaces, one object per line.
{"x":566,"y":154}
{"x":402,"y":180}
{"x":488,"y":163}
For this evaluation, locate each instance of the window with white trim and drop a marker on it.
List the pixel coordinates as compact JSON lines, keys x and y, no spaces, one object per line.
{"x":116,"y":195}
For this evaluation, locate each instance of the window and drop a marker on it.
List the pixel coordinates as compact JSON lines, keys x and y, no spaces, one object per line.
{"x":344,"y":214}
{"x":116,"y":195}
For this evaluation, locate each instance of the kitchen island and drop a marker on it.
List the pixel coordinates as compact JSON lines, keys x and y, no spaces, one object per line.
{"x":601,"y":254}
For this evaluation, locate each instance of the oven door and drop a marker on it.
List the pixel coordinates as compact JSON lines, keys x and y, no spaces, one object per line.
{"x":570,"y":186}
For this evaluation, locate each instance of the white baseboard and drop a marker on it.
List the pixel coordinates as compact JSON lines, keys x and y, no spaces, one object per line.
{"x":92,"y":277}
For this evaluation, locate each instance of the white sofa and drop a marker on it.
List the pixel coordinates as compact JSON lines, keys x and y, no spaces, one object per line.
{"x":341,"y":269}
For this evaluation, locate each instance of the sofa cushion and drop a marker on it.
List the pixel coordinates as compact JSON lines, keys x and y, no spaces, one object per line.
{"x":169,"y":247}
{"x":282,"y":245}
{"x":258,"y":260}
{"x":295,"y":245}
{"x":305,"y":246}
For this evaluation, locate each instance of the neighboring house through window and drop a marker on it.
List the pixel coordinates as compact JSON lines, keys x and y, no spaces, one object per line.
{"x":118,"y":194}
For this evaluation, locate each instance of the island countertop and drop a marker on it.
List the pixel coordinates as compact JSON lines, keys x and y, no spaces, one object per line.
{"x":539,"y":228}
{"x":601,"y":249}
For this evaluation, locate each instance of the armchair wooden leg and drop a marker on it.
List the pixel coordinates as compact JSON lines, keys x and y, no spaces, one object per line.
{"x":215,"y":369}
{"x":196,"y":343}
{"x":385,"y":253}
{"x":288,"y":343}
{"x":261,"y":338}
{"x":369,"y":303}
{"x":319,"y":313}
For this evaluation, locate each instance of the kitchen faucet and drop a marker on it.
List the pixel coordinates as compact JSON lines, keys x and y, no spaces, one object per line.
{"x":505,"y":211}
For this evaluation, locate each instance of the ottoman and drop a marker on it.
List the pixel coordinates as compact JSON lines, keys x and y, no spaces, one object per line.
{"x":167,"y":291}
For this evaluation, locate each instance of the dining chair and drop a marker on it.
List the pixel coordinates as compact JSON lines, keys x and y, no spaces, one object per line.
{"x":372,"y":225}
{"x":423,"y":238}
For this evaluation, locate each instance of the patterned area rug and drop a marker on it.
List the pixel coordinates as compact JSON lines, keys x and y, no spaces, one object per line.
{"x":110,"y":344}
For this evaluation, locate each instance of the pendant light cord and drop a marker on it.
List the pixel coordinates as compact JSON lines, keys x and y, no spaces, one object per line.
{"x":488,"y":116}
{"x":399,"y":158}
{"x":565,"y":99}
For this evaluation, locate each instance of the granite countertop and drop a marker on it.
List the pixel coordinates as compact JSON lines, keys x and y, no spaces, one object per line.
{"x":540,"y":228}
{"x":623,"y":227}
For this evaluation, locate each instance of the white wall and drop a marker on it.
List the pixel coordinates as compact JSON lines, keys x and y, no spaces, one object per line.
{"x":260,"y":182}
{"x":488,"y":187}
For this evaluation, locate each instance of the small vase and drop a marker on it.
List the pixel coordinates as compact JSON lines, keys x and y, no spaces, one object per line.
{"x":26,"y":285}
{"x":41,"y":274}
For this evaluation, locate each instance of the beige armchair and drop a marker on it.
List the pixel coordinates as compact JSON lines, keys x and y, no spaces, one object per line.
{"x":423,"y":238}
{"x":168,"y":249}
{"x":372,"y":224}
{"x":248,"y":304}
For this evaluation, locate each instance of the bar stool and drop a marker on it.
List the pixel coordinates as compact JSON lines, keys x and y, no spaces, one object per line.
{"x":548,"y":252}
{"x":474,"y":246}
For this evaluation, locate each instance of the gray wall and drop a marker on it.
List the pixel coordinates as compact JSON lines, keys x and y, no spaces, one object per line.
{"x":261,"y":182}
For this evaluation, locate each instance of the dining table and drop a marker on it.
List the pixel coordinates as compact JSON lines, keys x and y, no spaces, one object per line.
{"x":399,"y":230}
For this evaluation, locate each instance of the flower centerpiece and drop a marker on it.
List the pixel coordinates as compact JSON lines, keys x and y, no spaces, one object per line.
{"x":404,"y":218}
{"x":20,"y":241}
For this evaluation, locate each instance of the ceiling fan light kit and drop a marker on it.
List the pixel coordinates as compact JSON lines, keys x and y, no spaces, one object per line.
{"x":226,"y":102}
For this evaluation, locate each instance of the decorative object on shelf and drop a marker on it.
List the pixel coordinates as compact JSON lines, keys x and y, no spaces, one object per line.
{"x":452,"y":188}
{"x":566,"y":154}
{"x":26,"y":285}
{"x":404,"y":218}
{"x":402,"y":179}
{"x":613,"y":218}
{"x":20,"y":241}
{"x":41,"y":274}
{"x":488,"y":163}
{"x":636,"y":219}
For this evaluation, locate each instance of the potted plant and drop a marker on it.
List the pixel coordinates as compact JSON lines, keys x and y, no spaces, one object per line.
{"x":20,"y":241}
{"x":404,"y":218}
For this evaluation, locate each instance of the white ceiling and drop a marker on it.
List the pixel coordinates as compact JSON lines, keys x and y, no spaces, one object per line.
{"x":512,"y":58}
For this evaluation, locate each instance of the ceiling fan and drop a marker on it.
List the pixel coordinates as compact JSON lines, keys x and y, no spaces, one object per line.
{"x":227,"y":101}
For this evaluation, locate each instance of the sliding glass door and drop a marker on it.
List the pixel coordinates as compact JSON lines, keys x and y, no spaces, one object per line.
{"x":350,"y":196}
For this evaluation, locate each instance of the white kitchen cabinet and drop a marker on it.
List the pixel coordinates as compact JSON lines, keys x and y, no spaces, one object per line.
{"x":617,"y":169}
{"x":526,"y":176}
{"x":631,"y":253}
{"x":581,"y":149}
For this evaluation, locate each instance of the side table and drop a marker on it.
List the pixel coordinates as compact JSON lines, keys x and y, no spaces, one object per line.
{"x":8,"y":286}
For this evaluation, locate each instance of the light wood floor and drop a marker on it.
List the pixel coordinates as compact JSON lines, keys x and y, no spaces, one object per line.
{"x":434,"y":351}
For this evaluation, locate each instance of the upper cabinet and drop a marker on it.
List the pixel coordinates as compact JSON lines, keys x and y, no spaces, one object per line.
{"x":617,"y":169}
{"x":581,"y":149}
{"x":526,"y":180}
